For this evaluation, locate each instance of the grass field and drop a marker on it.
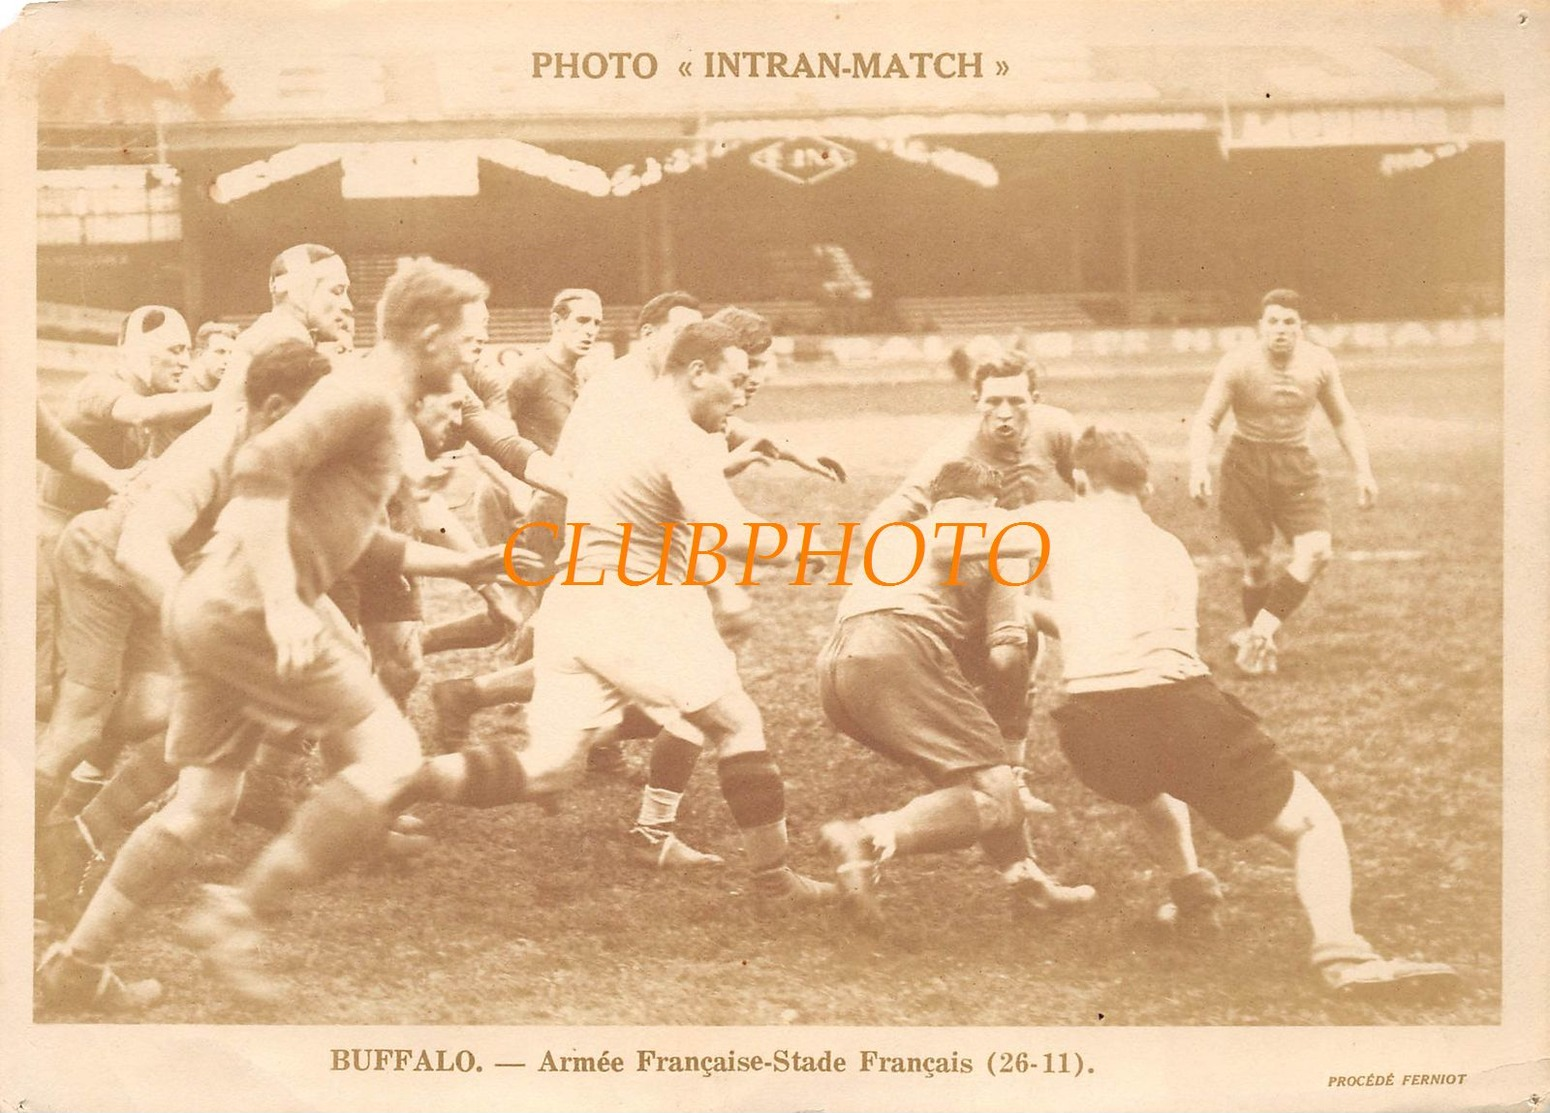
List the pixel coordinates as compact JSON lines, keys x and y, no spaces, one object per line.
{"x":1389,"y":698}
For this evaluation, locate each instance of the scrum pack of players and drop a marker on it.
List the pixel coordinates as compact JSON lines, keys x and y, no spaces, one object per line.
{"x":231,"y":537}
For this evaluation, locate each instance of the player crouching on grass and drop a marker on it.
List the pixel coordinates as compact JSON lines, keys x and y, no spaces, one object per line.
{"x":1144,"y":725}
{"x":895,"y":677}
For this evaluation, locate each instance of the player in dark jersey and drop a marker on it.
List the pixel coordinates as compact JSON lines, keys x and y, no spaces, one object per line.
{"x":309,"y":291}
{"x":213,"y":346}
{"x":893,"y":677}
{"x":260,"y":649}
{"x":1270,"y":478}
{"x":1028,"y":442}
{"x":123,"y":417}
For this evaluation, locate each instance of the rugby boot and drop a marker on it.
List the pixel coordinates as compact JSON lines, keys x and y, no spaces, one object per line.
{"x":1193,"y":912}
{"x":226,"y":934}
{"x":663,"y":850}
{"x":1355,"y":970}
{"x":66,"y":982}
{"x":782,"y":884}
{"x":856,"y":864}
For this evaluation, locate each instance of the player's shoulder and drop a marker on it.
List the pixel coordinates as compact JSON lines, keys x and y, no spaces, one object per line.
{"x":1241,"y":357}
{"x":1318,"y":356}
{"x":349,"y":393}
{"x":1053,"y":419}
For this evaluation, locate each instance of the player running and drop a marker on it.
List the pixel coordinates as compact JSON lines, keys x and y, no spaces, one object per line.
{"x":123,"y":416}
{"x":895,"y":677}
{"x":262,"y":650}
{"x":1144,"y":725}
{"x":1270,"y":478}
{"x":603,"y":645}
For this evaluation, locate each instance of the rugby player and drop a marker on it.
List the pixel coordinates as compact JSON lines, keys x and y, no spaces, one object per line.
{"x":1270,"y":478}
{"x":1026,"y":440}
{"x":213,"y":346}
{"x":603,"y":645}
{"x":309,"y":291}
{"x":894,"y":676}
{"x":1144,"y":725}
{"x":260,"y":649}
{"x":114,"y":565}
{"x":122,"y":416}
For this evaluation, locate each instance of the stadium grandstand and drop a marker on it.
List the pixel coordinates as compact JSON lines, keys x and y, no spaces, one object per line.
{"x":1092,"y":187}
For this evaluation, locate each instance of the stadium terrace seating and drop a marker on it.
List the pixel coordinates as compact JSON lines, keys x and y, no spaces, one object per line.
{"x":1004,"y":312}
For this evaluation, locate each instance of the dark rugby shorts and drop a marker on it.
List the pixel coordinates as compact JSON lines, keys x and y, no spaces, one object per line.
{"x":890,"y":682}
{"x":1266,"y":487}
{"x":1188,"y":739}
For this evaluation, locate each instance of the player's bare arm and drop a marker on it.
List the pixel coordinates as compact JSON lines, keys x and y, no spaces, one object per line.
{"x":473,"y":566}
{"x":1202,"y":432}
{"x":742,"y":434}
{"x":1353,"y":438}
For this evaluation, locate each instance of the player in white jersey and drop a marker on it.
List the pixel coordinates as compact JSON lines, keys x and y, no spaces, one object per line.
{"x":895,"y":677}
{"x":1270,"y":478}
{"x":629,"y":630}
{"x":1144,"y":725}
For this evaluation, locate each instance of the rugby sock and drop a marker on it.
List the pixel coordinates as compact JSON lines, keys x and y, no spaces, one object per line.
{"x":337,"y":825}
{"x":1284,"y":597}
{"x":947,"y":819}
{"x":473,"y":631}
{"x":46,"y":793}
{"x":756,"y":796}
{"x":151,"y":861}
{"x":672,"y":764}
{"x":1322,"y":866}
{"x":1004,"y":846}
{"x":1254,"y":600}
{"x":513,"y":685}
{"x":141,"y":779}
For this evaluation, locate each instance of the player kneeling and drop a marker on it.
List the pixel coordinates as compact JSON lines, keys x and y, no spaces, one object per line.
{"x":1143,"y":724}
{"x":891,"y":677}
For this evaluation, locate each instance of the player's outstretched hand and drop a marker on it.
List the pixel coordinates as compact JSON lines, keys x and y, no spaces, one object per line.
{"x":294,"y":628}
{"x":500,"y":601}
{"x":1200,"y":484}
{"x":1366,"y":492}
{"x":489,"y":564}
{"x":833,"y":469}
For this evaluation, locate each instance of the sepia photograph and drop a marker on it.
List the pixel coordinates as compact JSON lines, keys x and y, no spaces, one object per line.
{"x":805,"y":555}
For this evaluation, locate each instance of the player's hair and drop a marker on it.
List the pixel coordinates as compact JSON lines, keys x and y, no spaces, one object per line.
{"x":1006,"y":362}
{"x":702,"y":340}
{"x":1114,"y":459}
{"x":560,"y":307}
{"x":423,"y":293}
{"x":1291,"y":299}
{"x":211,"y":329}
{"x":754,"y":334}
{"x":288,"y":368}
{"x":966,"y":479}
{"x":655,"y":311}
